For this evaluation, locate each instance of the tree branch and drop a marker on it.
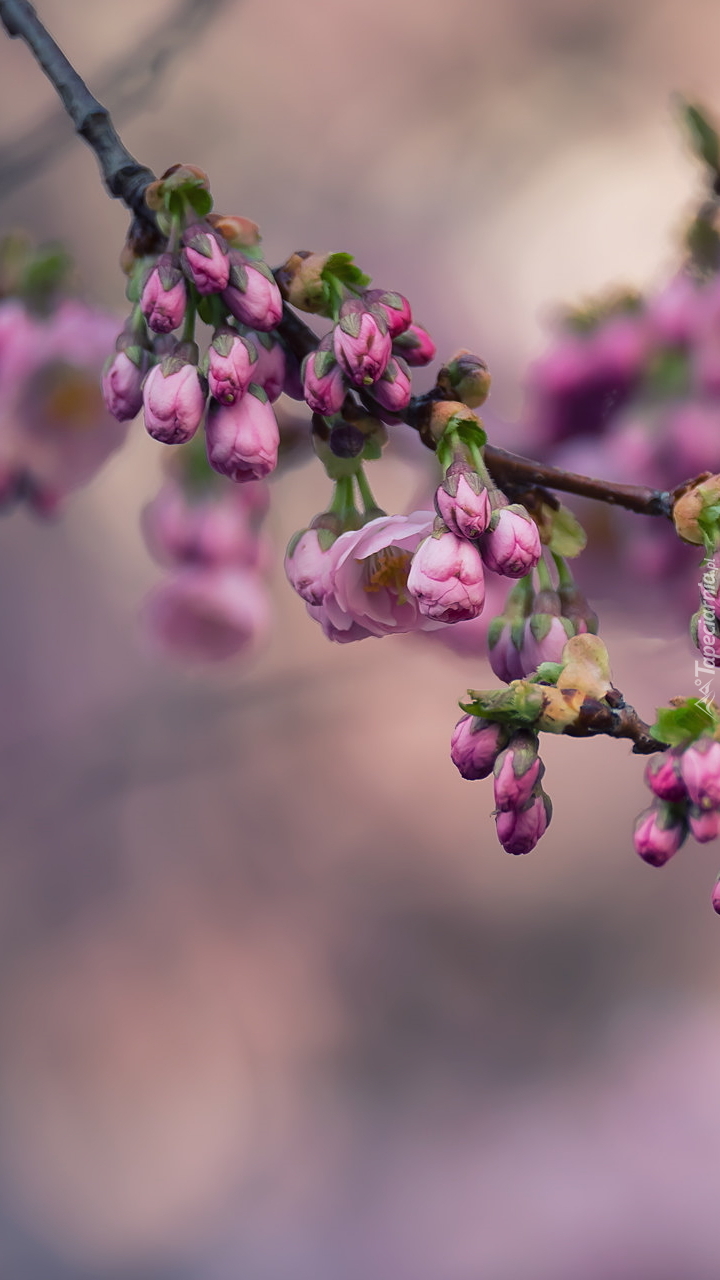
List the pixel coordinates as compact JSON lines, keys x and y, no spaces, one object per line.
{"x":615,"y":718}
{"x":126,"y":180}
{"x":123,"y":176}
{"x":512,"y":469}
{"x":126,"y":84}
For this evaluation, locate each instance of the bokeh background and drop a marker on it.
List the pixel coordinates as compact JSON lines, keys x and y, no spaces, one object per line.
{"x":273,"y":1002}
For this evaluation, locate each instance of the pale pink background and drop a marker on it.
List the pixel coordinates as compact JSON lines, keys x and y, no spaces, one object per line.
{"x":273,"y":1003}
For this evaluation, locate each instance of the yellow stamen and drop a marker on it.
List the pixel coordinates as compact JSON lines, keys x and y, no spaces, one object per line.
{"x":387,"y":570}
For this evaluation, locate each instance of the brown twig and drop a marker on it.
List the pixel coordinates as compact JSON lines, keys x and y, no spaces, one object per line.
{"x":124,"y":177}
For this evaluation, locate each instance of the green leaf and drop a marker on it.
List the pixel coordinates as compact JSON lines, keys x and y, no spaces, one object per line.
{"x":703,"y":136}
{"x":547,"y":673}
{"x":342,"y":267}
{"x":200,"y":200}
{"x":568,"y":537}
{"x":684,"y":723}
{"x":709,"y":523}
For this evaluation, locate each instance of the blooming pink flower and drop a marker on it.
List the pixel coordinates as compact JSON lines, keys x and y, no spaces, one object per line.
{"x":173,"y":400}
{"x":446,"y":578}
{"x":716,"y":896}
{"x":394,"y":307}
{"x":475,"y":745}
{"x":332,"y":630}
{"x":55,"y":431}
{"x":511,"y":546}
{"x":361,"y":343}
{"x":463,"y":502}
{"x":252,"y":295}
{"x":122,"y":386}
{"x":659,"y":833}
{"x":232,"y":365}
{"x":210,"y":529}
{"x":164,"y":296}
{"x":700,"y":769}
{"x":517,"y":769}
{"x":308,"y":566}
{"x":415,"y":346}
{"x":205,"y":613}
{"x":243,"y":438}
{"x":368,"y":592}
{"x":519,"y":830}
{"x":205,"y":259}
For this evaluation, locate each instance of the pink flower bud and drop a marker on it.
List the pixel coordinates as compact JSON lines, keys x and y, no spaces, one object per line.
{"x":205,"y":259}
{"x":202,"y":614}
{"x":232,"y":365}
{"x":446,"y":578}
{"x":517,"y":769}
{"x":362,"y":343}
{"x":716,"y":896}
{"x":544,"y":639}
{"x":700,"y":769}
{"x":122,"y":385}
{"x":659,"y":832}
{"x":393,"y":306}
{"x":475,"y":745}
{"x":704,"y":823}
{"x":174,"y":400}
{"x":519,"y":830}
{"x":164,"y":297}
{"x":463,"y":502}
{"x":415,"y":346}
{"x":252,"y":295}
{"x":243,"y":438}
{"x":308,"y":566}
{"x":323,"y":382}
{"x":269,"y":372}
{"x":511,"y":545}
{"x":663,"y":776}
{"x":503,"y":651}
{"x":392,"y":389}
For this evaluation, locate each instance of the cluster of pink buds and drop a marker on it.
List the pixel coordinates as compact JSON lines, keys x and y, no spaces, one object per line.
{"x":536,"y":625}
{"x":214,"y":603}
{"x":480,"y":747}
{"x":685,"y":782}
{"x":212,"y":268}
{"x":372,"y":342}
